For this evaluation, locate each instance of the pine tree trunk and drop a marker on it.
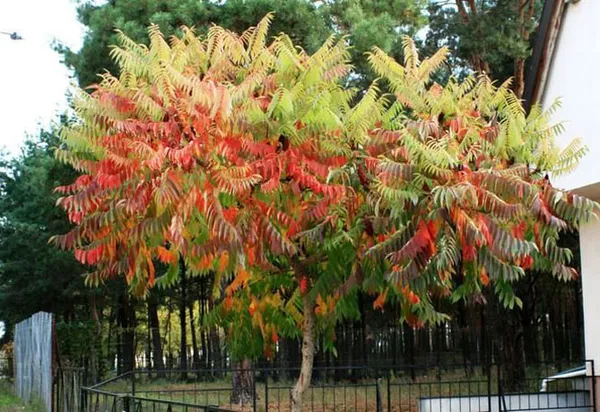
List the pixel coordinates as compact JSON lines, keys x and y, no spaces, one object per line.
{"x":157,"y":349}
{"x":308,"y":355}
{"x":148,"y":347}
{"x":215,"y":350}
{"x":168,"y":334}
{"x":215,"y":343}
{"x":182,"y":322}
{"x":95,"y":349}
{"x":242,"y":384}
{"x":195,"y":354}
{"x":465,"y":338}
{"x":409,"y":336}
{"x":126,"y":322}
{"x":513,"y":351}
{"x":205,"y":356}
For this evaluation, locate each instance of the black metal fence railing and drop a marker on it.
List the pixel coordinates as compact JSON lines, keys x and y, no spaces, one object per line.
{"x":350,"y":389}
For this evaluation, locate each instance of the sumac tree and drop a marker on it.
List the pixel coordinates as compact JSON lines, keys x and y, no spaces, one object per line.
{"x":245,"y":159}
{"x":219,"y":154}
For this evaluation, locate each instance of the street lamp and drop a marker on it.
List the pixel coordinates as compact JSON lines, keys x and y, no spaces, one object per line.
{"x":14,"y":35}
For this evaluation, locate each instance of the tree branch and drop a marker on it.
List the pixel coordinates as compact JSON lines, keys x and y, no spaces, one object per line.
{"x":462,"y":11}
{"x":355,"y":278}
{"x":473,"y":6}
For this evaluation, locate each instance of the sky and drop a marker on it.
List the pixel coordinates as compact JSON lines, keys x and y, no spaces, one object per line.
{"x":33,"y":81}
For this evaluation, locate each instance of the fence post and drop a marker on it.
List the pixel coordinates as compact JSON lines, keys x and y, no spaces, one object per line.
{"x":254,"y":394}
{"x":266,"y":391}
{"x":593,"y":387}
{"x":389,"y":391}
{"x":55,"y":391}
{"x":378,"y":395}
{"x":126,"y":406}
{"x":82,"y":384}
{"x":489,"y":387}
{"x":499,"y":388}
{"x":132,"y":383}
{"x":83,"y":407}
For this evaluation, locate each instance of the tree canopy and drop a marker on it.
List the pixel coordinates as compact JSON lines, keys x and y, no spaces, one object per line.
{"x":35,"y":276}
{"x":308,"y":24}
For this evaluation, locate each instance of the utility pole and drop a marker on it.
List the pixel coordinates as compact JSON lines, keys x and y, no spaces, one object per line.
{"x":13,"y":36}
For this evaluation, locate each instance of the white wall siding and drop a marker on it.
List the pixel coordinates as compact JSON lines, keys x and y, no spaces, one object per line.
{"x":574,"y":77}
{"x":548,"y":402}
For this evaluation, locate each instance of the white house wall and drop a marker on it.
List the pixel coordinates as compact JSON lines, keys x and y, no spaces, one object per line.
{"x":574,"y":77}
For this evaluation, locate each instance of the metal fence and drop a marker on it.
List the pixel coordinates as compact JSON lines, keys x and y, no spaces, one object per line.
{"x":350,"y":389}
{"x":33,"y":358}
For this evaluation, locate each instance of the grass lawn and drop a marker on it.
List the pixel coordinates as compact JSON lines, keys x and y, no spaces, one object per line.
{"x":10,"y":403}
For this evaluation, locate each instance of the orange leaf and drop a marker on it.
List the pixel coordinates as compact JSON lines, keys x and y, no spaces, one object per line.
{"x":413,"y":298}
{"x":165,"y":255}
{"x":414,"y":321}
{"x":150,"y":269}
{"x":251,"y":255}
{"x":228,"y":302}
{"x":380,"y":301}
{"x":485,"y":280}
{"x":223,"y":262}
{"x":321,"y":308}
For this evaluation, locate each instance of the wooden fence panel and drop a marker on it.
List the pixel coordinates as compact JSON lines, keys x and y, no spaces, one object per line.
{"x":33,"y":359}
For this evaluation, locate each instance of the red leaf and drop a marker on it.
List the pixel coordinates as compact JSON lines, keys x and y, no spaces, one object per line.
{"x":303,"y":284}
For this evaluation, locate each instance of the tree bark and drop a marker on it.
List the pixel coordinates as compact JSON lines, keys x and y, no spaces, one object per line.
{"x":283,"y":359}
{"x":214,"y":340}
{"x":195,"y":354}
{"x":513,"y":351}
{"x":95,"y":349}
{"x":205,"y":357}
{"x":126,"y":321}
{"x":215,"y":351}
{"x":182,"y":321}
{"x":157,"y":349}
{"x":308,"y":355}
{"x":409,"y":339}
{"x":242,"y":383}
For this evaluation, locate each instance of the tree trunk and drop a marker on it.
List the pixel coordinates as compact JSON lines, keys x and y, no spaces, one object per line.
{"x":409,"y":339}
{"x":242,"y":384}
{"x":215,"y":350}
{"x":283,"y":359}
{"x":308,"y":355}
{"x":214,"y":340}
{"x":96,"y":348}
{"x":513,"y":351}
{"x":182,"y":321}
{"x":195,"y":354}
{"x":519,"y":77}
{"x":204,"y":358}
{"x":168,"y":334}
{"x":126,"y":322}
{"x":157,"y":350}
